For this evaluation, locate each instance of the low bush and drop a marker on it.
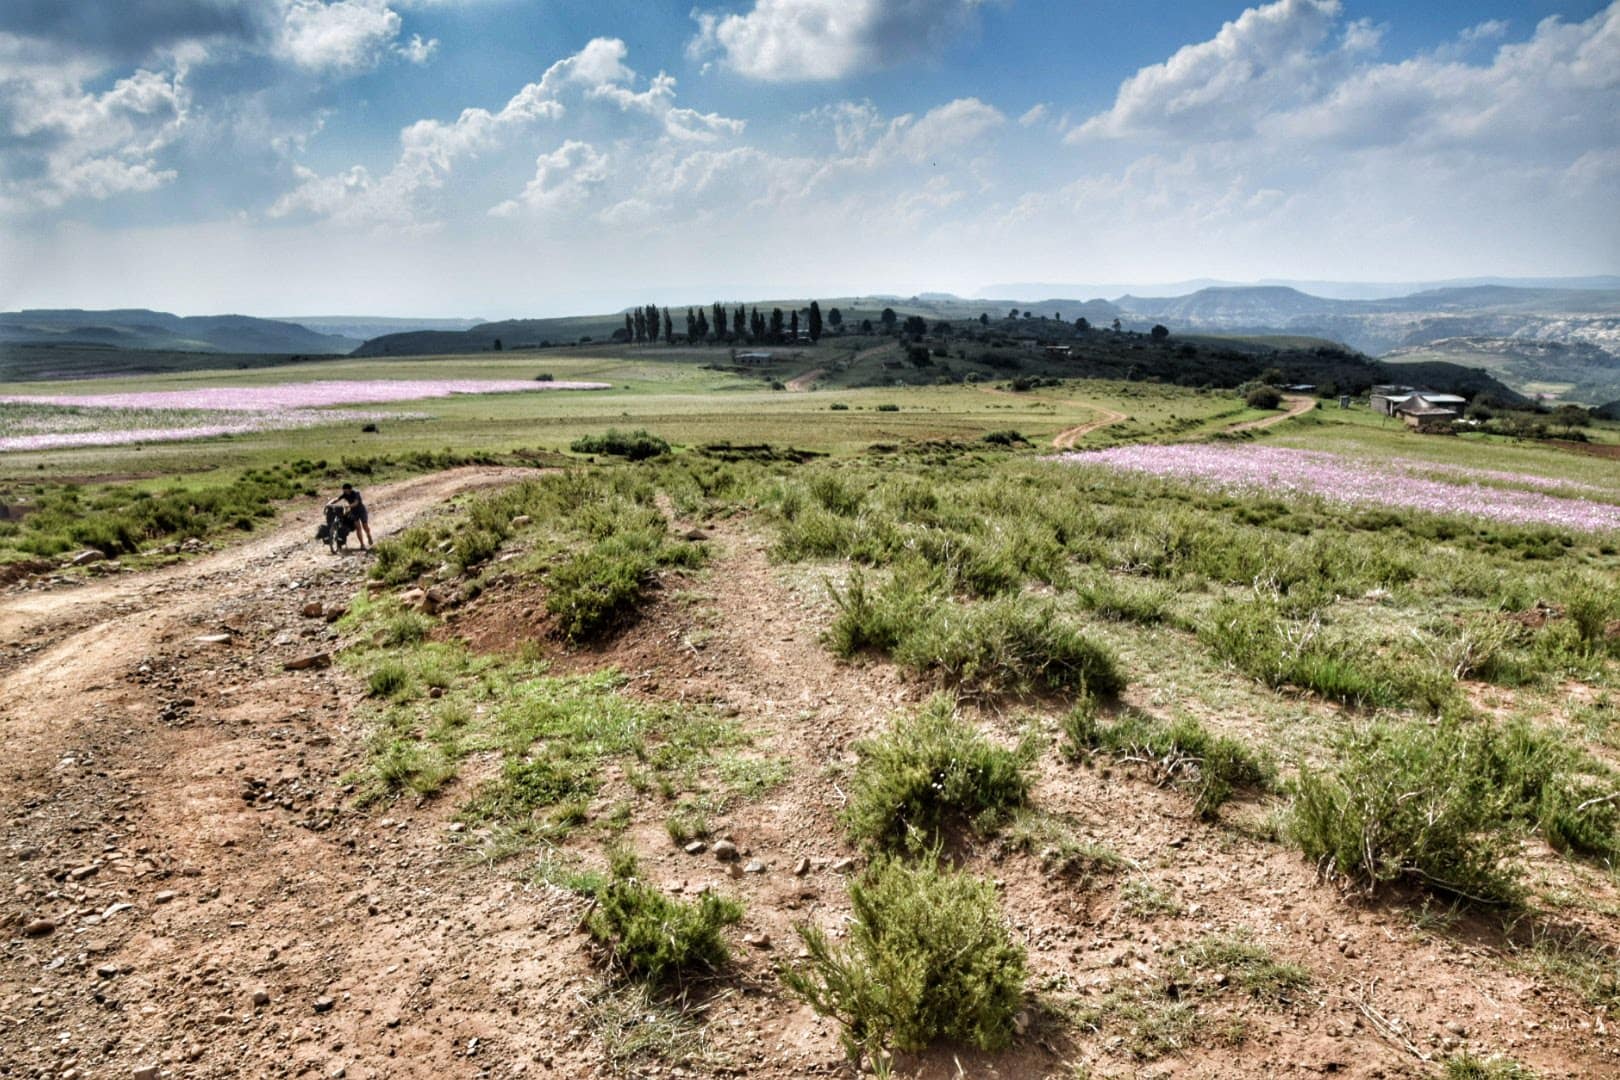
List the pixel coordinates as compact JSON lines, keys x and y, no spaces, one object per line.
{"x":592,"y":589}
{"x":929,"y":770}
{"x":1185,"y":753}
{"x":1263,"y":397}
{"x":650,"y":936}
{"x":929,"y":957}
{"x":636,"y":445}
{"x":1408,"y":802}
{"x":389,"y":679}
{"x":1011,"y":643}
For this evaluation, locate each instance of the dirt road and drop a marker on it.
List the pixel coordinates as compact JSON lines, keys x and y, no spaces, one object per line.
{"x":1296,"y":404}
{"x":1065,"y":439}
{"x":178,"y":839}
{"x":800,"y":383}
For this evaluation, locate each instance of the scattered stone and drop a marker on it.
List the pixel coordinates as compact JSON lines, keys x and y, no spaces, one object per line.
{"x":324,"y":1004}
{"x":79,"y":873}
{"x":696,"y":847}
{"x":1021,"y":1021}
{"x":754,"y":867}
{"x":163,"y":897}
{"x":145,"y":1072}
{"x":107,"y":971}
{"x":801,"y":868}
{"x":761,"y":940}
{"x":436,"y":692}
{"x":843,"y":866}
{"x":314,"y":609}
{"x":726,"y":851}
{"x":85,"y":558}
{"x":334,"y":612}
{"x":695,"y":535}
{"x":214,"y":639}
{"x":413,"y":598}
{"x":313,"y":660}
{"x":521,"y":520}
{"x":261,"y":998}
{"x":39,"y":928}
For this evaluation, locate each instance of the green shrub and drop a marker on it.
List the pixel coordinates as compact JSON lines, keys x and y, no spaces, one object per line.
{"x":1009,"y":437}
{"x":1408,"y":802}
{"x":636,"y":445}
{"x":592,"y":589}
{"x":391,"y":678}
{"x":1263,"y":397}
{"x":404,"y":628}
{"x":931,"y":769}
{"x":929,"y":957}
{"x":1467,"y":1066}
{"x":888,"y":408}
{"x":1011,"y":643}
{"x":1185,"y":753}
{"x":525,"y":786}
{"x":650,"y":936}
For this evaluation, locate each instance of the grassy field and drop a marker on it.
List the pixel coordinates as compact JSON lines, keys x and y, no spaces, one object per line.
{"x":1411,"y":703}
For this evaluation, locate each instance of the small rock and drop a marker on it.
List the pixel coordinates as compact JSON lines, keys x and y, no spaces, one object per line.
{"x":145,"y":1072}
{"x":436,"y":692}
{"x":314,"y":609}
{"x":85,"y":558}
{"x":107,"y":971}
{"x":313,"y":660}
{"x":214,"y":639}
{"x":759,"y":941}
{"x":521,"y":520}
{"x":696,"y":847}
{"x":1021,"y":1021}
{"x":39,"y":928}
{"x":163,"y":897}
{"x":843,"y":866}
{"x":261,"y":998}
{"x":754,"y":867}
{"x":725,"y":851}
{"x":801,"y":868}
{"x":79,"y":873}
{"x":695,"y":535}
{"x":324,"y":1004}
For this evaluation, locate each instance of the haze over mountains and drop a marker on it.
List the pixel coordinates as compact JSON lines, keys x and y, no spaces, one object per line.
{"x":1559,"y":337}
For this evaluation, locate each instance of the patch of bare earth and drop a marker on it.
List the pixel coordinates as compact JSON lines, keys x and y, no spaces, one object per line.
{"x":217,"y":907}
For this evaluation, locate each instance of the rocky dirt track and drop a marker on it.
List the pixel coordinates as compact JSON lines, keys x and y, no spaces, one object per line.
{"x":190,"y":891}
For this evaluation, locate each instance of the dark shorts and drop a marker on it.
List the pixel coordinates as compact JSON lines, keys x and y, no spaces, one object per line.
{"x":358,"y":513}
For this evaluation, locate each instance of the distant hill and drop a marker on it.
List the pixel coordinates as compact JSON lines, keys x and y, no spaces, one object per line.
{"x":364,"y":327}
{"x":138,"y":328}
{"x":1257,"y":305}
{"x":1574,"y":371}
{"x":1333,"y":290}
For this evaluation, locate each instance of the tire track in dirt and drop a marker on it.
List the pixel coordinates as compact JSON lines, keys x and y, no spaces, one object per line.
{"x":1065,"y":439}
{"x":1297,"y":404}
{"x":800,"y":383}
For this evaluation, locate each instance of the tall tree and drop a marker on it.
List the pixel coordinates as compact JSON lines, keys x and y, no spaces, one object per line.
{"x":641,"y":324}
{"x":1082,"y":323}
{"x":815,"y":321}
{"x":702,"y":326}
{"x":652,"y":323}
{"x":776,"y":324}
{"x":629,"y":327}
{"x":793,"y":329}
{"x":739,"y":321}
{"x":984,"y":318}
{"x":669,"y":329}
{"x":691,"y":326}
{"x":889,"y":319}
{"x":836,"y":319}
{"x":719,"y":320}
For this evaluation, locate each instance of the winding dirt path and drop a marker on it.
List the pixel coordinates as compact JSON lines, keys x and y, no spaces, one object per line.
{"x":1065,"y":439}
{"x":800,"y":383}
{"x":1297,"y":404}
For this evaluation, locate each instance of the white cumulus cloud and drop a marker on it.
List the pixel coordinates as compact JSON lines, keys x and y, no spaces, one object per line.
{"x":344,"y":36}
{"x":562,"y":178}
{"x":791,"y":40}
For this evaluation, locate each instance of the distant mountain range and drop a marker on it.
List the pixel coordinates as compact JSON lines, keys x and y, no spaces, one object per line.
{"x":1335,"y":290}
{"x":138,"y":328}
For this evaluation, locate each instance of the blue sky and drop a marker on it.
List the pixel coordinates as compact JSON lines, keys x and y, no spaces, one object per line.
{"x":521,"y":157}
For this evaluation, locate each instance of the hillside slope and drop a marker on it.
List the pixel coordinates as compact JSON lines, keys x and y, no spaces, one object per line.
{"x":138,"y":328}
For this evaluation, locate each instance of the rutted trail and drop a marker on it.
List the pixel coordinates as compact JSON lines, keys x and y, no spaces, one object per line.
{"x":1297,"y":404}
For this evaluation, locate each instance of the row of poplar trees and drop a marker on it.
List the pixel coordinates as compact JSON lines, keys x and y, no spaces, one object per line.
{"x":647,"y":324}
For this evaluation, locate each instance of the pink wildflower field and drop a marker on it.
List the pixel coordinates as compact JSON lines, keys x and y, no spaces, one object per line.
{"x":1396,"y":483}
{"x":52,"y":421}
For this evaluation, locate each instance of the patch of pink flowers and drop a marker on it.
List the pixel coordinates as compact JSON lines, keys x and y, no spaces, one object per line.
{"x":1396,"y":483}
{"x":118,"y":431}
{"x":306,"y":395}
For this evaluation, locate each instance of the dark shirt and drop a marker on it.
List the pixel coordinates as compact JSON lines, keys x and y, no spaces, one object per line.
{"x":352,"y":497}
